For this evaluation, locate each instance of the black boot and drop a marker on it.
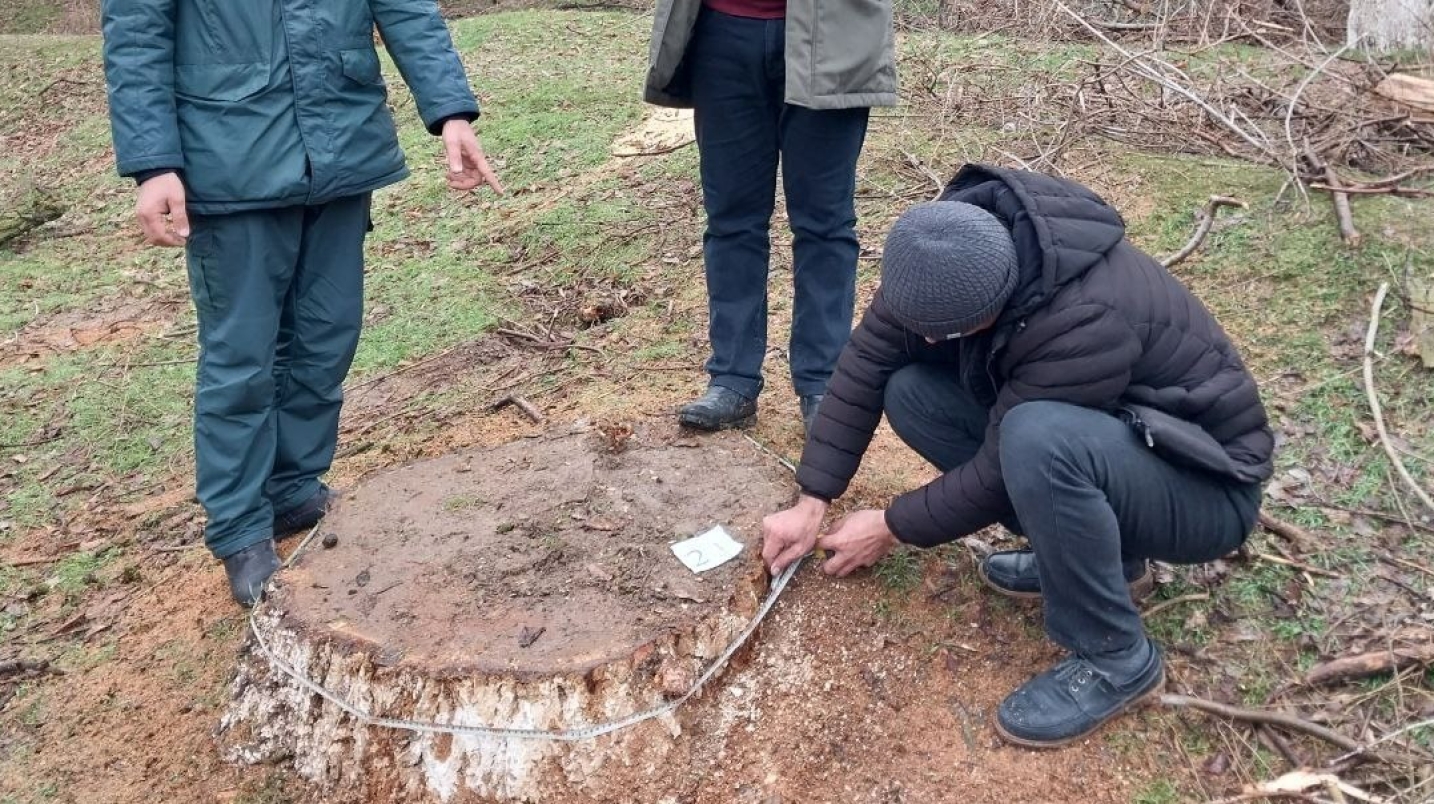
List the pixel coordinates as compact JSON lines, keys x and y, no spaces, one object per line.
{"x":249,"y":570}
{"x":718,"y":409}
{"x":1079,"y":695}
{"x":306,"y":515}
{"x":809,"y":410}
{"x":1013,"y":573}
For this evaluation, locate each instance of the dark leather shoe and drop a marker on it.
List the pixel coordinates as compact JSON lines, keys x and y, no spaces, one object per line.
{"x":249,"y":570}
{"x":306,"y":515}
{"x":718,"y":409}
{"x":1013,"y":573}
{"x":809,"y":410}
{"x":1075,"y":698}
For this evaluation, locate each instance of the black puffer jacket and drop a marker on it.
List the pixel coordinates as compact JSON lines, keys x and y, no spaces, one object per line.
{"x":1094,"y":322}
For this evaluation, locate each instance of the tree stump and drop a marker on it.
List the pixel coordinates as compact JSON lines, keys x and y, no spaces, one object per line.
{"x":528,"y":586}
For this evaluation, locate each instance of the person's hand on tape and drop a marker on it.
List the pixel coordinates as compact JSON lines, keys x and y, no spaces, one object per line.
{"x":788,"y":535}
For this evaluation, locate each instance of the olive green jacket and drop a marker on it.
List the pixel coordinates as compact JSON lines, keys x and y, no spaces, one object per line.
{"x":840,"y":53}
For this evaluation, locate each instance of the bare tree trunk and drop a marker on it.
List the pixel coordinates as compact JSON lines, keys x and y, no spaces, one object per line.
{"x":1392,"y":24}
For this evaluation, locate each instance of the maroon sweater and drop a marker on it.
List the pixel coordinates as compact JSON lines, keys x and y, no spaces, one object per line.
{"x":752,"y":9}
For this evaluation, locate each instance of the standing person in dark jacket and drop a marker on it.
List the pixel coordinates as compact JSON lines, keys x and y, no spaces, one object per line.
{"x":789,"y":81}
{"x":257,"y":132}
{"x":1067,"y":386}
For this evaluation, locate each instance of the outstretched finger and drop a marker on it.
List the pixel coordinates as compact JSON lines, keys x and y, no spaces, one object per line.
{"x":485,"y":171}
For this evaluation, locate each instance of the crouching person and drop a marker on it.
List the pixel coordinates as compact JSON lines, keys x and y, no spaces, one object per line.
{"x":1067,"y":386}
{"x":257,"y":132}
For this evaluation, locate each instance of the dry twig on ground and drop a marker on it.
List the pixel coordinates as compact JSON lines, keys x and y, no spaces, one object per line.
{"x":1373,"y":396}
{"x":1206,"y":218}
{"x":1294,"y":534}
{"x":528,"y":408}
{"x":1364,"y":665}
{"x":1290,"y":723}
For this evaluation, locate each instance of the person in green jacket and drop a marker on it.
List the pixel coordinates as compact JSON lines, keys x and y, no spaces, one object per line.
{"x":257,"y":132}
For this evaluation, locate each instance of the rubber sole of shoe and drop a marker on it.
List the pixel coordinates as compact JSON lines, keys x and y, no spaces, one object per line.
{"x":1141,"y":700}
{"x":1140,"y":588}
{"x":707,"y":426}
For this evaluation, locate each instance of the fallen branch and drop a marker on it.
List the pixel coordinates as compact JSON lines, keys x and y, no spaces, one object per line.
{"x":541,"y":343}
{"x":1174,"y":601}
{"x":1342,"y":212}
{"x":32,"y":562}
{"x":1206,"y":216}
{"x":1299,"y":565}
{"x":528,"y":408}
{"x":14,"y":667}
{"x":922,"y":168}
{"x":1364,"y":665}
{"x":1294,"y":534}
{"x":1336,"y":189}
{"x":1279,"y":745}
{"x":1288,"y":722}
{"x":1373,"y":396}
{"x":1341,"y":189}
{"x":1423,"y":724}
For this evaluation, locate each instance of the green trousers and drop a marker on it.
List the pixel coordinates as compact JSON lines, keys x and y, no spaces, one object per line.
{"x":279,"y":297}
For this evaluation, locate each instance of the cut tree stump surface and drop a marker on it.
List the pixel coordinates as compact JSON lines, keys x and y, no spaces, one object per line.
{"x":528,"y":586}
{"x":452,"y":564}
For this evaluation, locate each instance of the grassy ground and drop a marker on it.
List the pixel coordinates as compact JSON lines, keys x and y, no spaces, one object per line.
{"x":96,"y":365}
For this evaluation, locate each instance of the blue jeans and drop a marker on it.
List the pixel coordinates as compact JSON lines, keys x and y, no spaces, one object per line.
{"x":1088,"y":495}
{"x":744,"y":128}
{"x":279,"y":297}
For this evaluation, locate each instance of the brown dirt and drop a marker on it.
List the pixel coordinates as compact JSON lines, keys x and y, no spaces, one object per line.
{"x":450,"y":562}
{"x":108,"y":323}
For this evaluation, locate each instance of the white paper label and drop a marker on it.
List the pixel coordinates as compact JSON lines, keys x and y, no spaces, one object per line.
{"x":707,"y":550}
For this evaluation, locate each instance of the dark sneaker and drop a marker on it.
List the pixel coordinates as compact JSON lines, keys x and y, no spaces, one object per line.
{"x":1075,"y":698}
{"x":248,"y":571}
{"x":306,"y":515}
{"x":718,"y":409}
{"x":809,"y":410}
{"x":1013,"y":573}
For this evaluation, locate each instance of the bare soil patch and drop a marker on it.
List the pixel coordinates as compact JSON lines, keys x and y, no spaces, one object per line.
{"x":113,"y":322}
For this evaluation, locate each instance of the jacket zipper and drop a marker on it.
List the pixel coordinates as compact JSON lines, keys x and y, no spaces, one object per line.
{"x":1134,"y":420}
{"x":997,"y":344}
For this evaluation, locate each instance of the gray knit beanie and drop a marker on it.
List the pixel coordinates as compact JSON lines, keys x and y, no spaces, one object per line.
{"x":948,"y":268}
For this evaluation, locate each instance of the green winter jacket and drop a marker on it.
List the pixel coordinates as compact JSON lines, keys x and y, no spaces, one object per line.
{"x":272,"y":103}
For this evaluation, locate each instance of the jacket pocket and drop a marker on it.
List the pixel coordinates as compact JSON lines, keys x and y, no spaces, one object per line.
{"x":224,"y":31}
{"x":361,"y":66}
{"x":1178,"y":441}
{"x":853,"y":49}
{"x":220,"y":82}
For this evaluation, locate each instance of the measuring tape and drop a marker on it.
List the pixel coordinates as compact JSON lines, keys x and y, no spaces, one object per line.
{"x":570,"y":735}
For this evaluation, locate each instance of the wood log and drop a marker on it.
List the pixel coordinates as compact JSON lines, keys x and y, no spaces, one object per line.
{"x":1364,"y":665}
{"x":26,"y":210}
{"x":527,"y":586}
{"x":1421,"y":320}
{"x":1410,"y":90}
